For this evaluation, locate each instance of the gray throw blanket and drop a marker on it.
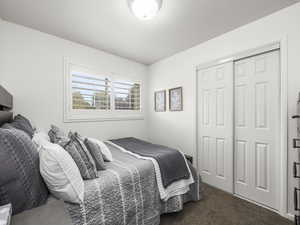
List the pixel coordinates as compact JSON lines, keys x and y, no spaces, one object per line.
{"x":126,"y":193}
{"x":165,"y":157}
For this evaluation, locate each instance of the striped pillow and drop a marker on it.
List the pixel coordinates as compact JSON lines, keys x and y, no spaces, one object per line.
{"x":78,"y":151}
{"x":85,"y":162}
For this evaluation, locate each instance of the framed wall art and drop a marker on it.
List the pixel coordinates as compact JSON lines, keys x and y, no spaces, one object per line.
{"x":175,"y":99}
{"x":160,"y":101}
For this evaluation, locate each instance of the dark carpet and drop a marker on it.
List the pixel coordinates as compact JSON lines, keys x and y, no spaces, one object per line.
{"x":220,"y":208}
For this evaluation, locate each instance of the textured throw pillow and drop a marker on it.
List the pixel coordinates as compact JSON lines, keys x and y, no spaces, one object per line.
{"x":60,"y":173}
{"x":95,"y":151}
{"x":86,"y":165}
{"x":22,"y":123}
{"x":57,"y":136}
{"x":20,"y":181}
{"x":84,"y":152}
{"x":107,"y":156}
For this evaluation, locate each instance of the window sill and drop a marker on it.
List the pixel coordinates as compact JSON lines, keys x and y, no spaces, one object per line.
{"x":102,"y":119}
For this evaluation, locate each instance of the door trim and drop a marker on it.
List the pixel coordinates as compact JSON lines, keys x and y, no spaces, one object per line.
{"x":282,"y":44}
{"x":241,"y":55}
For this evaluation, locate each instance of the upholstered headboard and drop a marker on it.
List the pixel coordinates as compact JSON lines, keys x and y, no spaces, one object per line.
{"x":6,"y":105}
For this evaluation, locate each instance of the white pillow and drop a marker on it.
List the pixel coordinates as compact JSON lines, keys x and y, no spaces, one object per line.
{"x":40,"y":138}
{"x":104,"y":149}
{"x":60,"y":173}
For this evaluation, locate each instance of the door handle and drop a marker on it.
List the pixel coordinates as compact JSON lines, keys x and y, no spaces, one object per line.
{"x":296,"y":143}
{"x":296,"y":165}
{"x":296,"y":191}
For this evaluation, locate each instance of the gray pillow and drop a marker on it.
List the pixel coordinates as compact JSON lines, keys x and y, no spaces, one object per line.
{"x":22,"y":123}
{"x":95,"y":151}
{"x":76,"y":148}
{"x":57,"y":136}
{"x":83,"y":159}
{"x":84,"y":152}
{"x":7,"y":126}
{"x":20,"y":181}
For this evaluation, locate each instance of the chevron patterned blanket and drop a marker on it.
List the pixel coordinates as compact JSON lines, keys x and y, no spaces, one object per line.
{"x":126,"y":193}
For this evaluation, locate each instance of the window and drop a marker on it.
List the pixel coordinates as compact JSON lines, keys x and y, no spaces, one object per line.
{"x":90,"y":92}
{"x":126,"y":95}
{"x":90,"y":95}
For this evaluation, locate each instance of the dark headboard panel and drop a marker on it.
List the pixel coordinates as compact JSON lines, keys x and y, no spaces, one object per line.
{"x":6,"y":105}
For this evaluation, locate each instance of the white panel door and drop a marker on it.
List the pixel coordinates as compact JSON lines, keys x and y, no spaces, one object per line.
{"x":257,"y":107}
{"x":215,"y":125}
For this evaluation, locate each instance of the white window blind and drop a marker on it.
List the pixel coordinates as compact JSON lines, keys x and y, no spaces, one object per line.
{"x":90,"y":92}
{"x":126,"y":95}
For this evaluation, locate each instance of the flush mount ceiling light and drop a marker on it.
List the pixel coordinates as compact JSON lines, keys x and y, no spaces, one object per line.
{"x":144,"y":9}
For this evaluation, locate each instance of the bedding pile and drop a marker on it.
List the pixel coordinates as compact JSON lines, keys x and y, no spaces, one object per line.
{"x":127,"y":193}
{"x":122,"y":181}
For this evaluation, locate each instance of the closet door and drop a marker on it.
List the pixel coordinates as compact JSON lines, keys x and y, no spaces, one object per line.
{"x":215,"y":126}
{"x":257,"y":107}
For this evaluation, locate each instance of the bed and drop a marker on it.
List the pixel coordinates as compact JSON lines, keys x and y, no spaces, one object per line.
{"x":127,"y":192}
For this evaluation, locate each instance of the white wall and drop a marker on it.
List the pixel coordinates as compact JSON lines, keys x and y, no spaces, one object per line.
{"x":31,"y":68}
{"x":177,"y":129}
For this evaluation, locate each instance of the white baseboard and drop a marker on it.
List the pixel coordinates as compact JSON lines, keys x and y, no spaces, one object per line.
{"x":288,"y":216}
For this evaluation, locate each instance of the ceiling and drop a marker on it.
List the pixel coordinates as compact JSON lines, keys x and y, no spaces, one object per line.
{"x":109,"y":25}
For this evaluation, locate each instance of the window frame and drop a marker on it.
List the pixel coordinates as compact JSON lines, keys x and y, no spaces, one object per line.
{"x":89,"y":115}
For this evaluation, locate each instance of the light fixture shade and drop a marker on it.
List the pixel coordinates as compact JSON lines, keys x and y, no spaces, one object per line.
{"x":144,"y":9}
